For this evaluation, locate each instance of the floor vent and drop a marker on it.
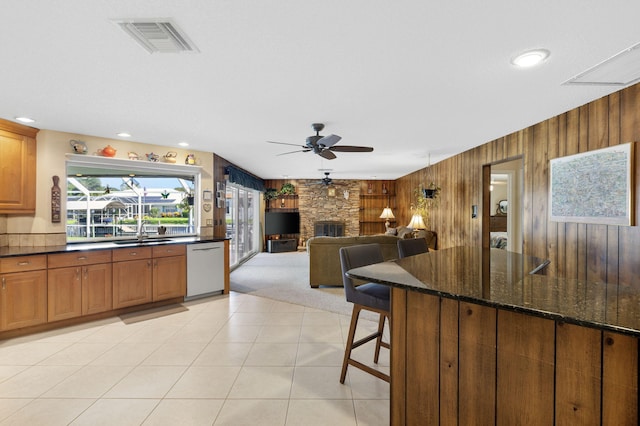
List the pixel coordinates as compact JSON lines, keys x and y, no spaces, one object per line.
{"x":621,"y":69}
{"x":158,"y":35}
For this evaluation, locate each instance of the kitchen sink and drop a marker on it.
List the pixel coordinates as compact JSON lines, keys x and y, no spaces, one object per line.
{"x":142,"y":242}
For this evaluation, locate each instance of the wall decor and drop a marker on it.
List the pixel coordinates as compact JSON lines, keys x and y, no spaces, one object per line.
{"x":331,"y":192}
{"x":207,"y":195}
{"x":593,"y":187}
{"x":56,"y":200}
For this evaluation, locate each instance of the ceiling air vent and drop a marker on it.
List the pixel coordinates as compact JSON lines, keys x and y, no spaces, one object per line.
{"x":158,"y":35}
{"x":621,"y":69}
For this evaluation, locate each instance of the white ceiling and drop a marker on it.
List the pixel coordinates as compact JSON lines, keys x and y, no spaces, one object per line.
{"x":414,"y":79}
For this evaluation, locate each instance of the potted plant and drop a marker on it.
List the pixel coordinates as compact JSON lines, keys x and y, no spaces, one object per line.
{"x":270,"y":194}
{"x":287,"y":189}
{"x":431,"y":191}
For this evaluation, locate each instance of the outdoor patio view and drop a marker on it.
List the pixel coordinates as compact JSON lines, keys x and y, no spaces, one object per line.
{"x":110,"y":207}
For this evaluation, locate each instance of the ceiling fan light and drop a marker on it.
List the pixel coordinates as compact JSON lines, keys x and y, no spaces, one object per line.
{"x":530,"y":58}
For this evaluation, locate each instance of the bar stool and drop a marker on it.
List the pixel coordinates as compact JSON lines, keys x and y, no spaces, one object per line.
{"x":412,"y":246}
{"x":370,"y":297}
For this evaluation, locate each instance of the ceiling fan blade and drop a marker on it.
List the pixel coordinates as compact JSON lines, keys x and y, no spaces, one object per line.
{"x":350,"y":148}
{"x":293,"y":152}
{"x":284,"y":143}
{"x":328,"y":141}
{"x":325,"y":153}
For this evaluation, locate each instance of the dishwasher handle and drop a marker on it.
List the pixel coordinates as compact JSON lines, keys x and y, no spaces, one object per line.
{"x":205,"y":249}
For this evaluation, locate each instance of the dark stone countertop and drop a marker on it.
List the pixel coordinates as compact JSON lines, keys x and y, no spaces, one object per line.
{"x":501,"y":279}
{"x":102,"y":245}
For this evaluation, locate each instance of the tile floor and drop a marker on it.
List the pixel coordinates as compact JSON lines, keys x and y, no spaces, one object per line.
{"x":235,"y":359}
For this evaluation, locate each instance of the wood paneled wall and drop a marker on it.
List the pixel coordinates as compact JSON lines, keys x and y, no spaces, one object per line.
{"x":583,"y":251}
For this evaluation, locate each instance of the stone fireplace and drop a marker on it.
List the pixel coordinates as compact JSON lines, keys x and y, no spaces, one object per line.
{"x":339,"y":203}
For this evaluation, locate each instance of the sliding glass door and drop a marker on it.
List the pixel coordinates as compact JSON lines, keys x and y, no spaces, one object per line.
{"x":242,"y":222}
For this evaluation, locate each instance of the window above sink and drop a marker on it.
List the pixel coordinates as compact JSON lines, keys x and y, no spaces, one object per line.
{"x":115,"y":199}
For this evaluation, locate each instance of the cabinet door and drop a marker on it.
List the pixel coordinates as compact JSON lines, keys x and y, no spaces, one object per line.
{"x":64,"y":293}
{"x":169,"y":277}
{"x":23,"y":299}
{"x":97,"y":290}
{"x":131,"y":283}
{"x":18,"y":155}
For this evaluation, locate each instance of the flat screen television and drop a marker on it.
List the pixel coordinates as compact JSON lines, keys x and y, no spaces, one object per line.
{"x":281,"y":223}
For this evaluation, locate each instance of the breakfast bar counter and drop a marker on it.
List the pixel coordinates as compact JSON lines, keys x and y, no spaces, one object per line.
{"x":478,"y":337}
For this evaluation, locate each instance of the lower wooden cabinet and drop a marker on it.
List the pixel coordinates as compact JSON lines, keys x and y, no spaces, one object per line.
{"x":64,"y":298}
{"x":38,"y":289}
{"x":132,"y":283}
{"x":169,"y":272}
{"x":97,"y":289}
{"x":79,"y":283}
{"x":23,"y":291}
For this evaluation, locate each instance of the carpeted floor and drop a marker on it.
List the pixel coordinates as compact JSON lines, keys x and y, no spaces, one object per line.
{"x":285,"y":277}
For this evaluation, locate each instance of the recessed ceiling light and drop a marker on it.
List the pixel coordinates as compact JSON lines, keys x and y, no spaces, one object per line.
{"x":25,"y":120}
{"x":530,"y":58}
{"x":183,"y":143}
{"x":124,"y":135}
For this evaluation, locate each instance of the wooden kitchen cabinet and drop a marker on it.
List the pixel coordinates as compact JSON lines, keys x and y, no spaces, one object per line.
{"x":169,"y":271}
{"x":132,"y":276}
{"x":23,"y":291}
{"x":17,"y":168}
{"x":79,"y":284}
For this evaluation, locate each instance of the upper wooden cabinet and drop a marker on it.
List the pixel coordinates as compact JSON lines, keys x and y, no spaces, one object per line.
{"x":17,"y":168}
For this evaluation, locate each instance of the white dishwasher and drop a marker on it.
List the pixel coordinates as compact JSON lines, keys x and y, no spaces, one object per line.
{"x":205,"y":269}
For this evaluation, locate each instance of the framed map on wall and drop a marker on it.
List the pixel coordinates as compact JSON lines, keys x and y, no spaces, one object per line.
{"x":593,"y":187}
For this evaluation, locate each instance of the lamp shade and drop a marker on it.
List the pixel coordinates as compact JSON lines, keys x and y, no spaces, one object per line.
{"x":387,"y":214}
{"x":417,"y":222}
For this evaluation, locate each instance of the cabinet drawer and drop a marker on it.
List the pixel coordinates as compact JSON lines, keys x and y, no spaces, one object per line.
{"x":132,"y":253}
{"x":63,"y":260}
{"x":23,"y":263}
{"x":169,"y":250}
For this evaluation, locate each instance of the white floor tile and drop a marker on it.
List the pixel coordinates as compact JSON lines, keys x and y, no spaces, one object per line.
{"x":225,"y":360}
{"x":250,"y":412}
{"x":184,"y":412}
{"x":48,"y":412}
{"x":205,"y":382}
{"x":121,"y":412}
{"x":262,"y":382}
{"x":321,"y":413}
{"x":319,"y":383}
{"x":146,"y":381}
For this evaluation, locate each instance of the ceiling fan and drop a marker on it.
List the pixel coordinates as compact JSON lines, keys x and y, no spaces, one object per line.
{"x":326,"y":181}
{"x":324,"y":146}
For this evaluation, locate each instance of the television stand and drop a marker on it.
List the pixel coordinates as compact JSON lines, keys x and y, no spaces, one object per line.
{"x":281,"y":246}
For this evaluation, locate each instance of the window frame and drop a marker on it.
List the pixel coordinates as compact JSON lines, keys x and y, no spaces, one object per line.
{"x":84,"y":165}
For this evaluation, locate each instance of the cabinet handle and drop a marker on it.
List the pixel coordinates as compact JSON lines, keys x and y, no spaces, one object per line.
{"x":25,"y":263}
{"x":82,"y":257}
{"x":77,"y":274}
{"x":133,"y":253}
{"x":86,"y":272}
{"x":4,"y":283}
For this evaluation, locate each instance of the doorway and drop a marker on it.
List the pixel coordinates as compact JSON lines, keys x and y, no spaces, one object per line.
{"x":505,"y":206}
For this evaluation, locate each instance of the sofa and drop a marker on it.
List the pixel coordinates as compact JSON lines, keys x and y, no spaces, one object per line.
{"x":324,"y":257}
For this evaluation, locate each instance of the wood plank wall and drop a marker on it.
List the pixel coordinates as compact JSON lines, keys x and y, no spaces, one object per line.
{"x":594,"y":252}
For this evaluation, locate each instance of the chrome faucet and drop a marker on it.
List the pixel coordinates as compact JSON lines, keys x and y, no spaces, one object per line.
{"x":141,"y":233}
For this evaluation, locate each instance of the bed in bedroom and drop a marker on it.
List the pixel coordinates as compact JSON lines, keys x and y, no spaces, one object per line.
{"x":498,"y":230}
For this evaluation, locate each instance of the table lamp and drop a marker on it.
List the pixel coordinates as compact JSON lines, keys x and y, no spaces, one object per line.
{"x":416,"y":223}
{"x":387,"y":214}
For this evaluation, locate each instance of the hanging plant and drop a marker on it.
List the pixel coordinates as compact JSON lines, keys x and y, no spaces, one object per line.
{"x":287,"y":189}
{"x":431,"y":191}
{"x":270,"y":194}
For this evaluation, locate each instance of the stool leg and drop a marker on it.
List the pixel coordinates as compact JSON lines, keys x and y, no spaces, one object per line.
{"x":349,"y":346}
{"x":379,"y":338}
